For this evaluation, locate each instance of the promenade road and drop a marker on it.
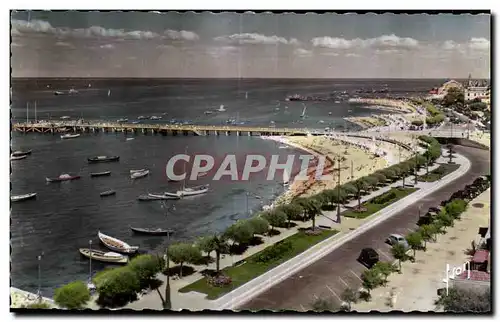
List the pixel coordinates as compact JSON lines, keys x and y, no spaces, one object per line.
{"x":336,"y":271}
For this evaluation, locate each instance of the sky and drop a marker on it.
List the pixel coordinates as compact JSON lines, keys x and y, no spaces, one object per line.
{"x":262,"y":45}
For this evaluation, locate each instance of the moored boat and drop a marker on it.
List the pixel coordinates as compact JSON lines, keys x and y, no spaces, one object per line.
{"x":62,"y":177}
{"x":108,"y":193}
{"x":193,"y":191}
{"x":108,"y":257}
{"x":139,"y":174}
{"x":27,"y":196}
{"x":20,"y":157}
{"x":142,"y":117}
{"x":100,"y":174}
{"x":151,"y":231}
{"x":165,"y":196}
{"x":103,"y":158}
{"x":140,"y":170}
{"x":122,"y":120}
{"x":69,"y":136}
{"x":20,"y":153}
{"x":116,"y":244}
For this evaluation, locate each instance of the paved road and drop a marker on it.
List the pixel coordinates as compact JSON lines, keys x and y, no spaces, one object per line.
{"x":338,"y":270}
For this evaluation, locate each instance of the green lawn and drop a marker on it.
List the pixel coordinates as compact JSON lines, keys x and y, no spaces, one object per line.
{"x":372,"y":207}
{"x":437,"y":174}
{"x":252,"y":269}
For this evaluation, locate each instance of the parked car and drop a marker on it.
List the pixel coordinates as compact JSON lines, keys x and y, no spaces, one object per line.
{"x":368,"y":257}
{"x":394,"y":239}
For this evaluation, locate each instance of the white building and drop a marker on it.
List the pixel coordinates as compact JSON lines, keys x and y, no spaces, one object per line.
{"x":476,"y":89}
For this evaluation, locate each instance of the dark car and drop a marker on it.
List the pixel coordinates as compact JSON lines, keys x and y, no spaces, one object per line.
{"x":368,"y":257}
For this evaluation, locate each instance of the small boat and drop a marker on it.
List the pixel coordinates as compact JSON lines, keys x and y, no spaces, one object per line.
{"x":136,"y":122}
{"x":69,"y":136}
{"x":152,"y":231}
{"x":329,"y":113}
{"x":221,"y":109}
{"x":129,"y":139}
{"x":65,"y":117}
{"x":187,"y":192}
{"x":13,"y":157}
{"x":142,"y":117}
{"x":148,"y":198}
{"x":100,"y":174}
{"x":23,"y":197}
{"x":108,"y":257}
{"x":209,"y":112}
{"x":139,"y":174}
{"x":165,"y":196}
{"x":122,"y":120}
{"x":62,"y":177}
{"x":103,"y":158}
{"x":58,"y":93}
{"x":20,"y":153}
{"x":109,"y":92}
{"x":108,"y":193}
{"x":116,"y":244}
{"x":155,"y":117}
{"x":140,"y":170}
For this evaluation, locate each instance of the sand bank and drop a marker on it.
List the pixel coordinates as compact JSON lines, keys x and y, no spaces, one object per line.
{"x":386,"y":104}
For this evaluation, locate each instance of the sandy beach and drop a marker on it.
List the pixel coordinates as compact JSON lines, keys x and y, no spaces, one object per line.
{"x":364,"y":162}
{"x":386,"y":104}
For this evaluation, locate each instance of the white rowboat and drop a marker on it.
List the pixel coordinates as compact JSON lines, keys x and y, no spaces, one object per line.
{"x":116,"y":244}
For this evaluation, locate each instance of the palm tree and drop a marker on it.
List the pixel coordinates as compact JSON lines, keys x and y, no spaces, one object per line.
{"x":361,"y":185}
{"x":311,"y":207}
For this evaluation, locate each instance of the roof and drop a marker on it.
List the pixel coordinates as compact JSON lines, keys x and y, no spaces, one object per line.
{"x":480,"y":256}
{"x":475,"y":276}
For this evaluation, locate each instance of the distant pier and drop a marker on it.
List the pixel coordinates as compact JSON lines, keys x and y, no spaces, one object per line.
{"x":163,"y":129}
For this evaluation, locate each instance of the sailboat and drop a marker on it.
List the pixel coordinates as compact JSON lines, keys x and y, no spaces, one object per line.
{"x":187,"y":192}
{"x":221,"y":108}
{"x":304,"y":111}
{"x":109,"y":92}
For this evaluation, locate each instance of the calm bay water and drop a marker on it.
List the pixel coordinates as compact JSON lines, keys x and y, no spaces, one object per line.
{"x":66,"y":215}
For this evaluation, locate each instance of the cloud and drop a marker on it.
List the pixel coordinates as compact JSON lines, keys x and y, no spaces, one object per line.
{"x":479,"y":44}
{"x":382,"y":42}
{"x":20,"y":27}
{"x":222,"y":51}
{"x":255,"y":39}
{"x":474,"y":44}
{"x":302,"y":52}
{"x":181,"y":35}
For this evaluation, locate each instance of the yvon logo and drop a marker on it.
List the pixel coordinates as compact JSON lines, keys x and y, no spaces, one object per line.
{"x":452,"y":272}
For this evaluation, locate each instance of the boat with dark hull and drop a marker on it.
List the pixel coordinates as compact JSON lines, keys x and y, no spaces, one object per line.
{"x":151,"y":231}
{"x":100,"y":174}
{"x":62,"y":177}
{"x":108,"y":193}
{"x":103,"y":158}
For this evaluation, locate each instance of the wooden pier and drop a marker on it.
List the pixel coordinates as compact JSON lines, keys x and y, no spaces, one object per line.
{"x":163,"y":129}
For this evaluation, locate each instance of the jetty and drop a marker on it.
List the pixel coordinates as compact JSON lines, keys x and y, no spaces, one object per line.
{"x":163,"y":129}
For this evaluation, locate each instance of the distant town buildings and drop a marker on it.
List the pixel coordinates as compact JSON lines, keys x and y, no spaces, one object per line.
{"x":477,"y":89}
{"x":472,"y":89}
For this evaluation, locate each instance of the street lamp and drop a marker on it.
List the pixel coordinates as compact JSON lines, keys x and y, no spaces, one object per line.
{"x":339,"y":220}
{"x":39,"y":292}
